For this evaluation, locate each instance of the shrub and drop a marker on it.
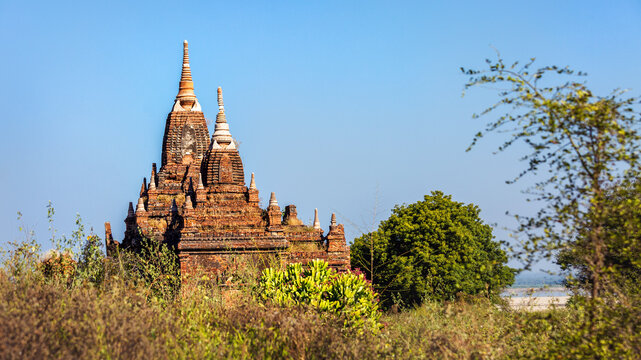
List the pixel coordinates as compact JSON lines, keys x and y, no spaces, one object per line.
{"x":57,"y":266}
{"x":433,"y":249}
{"x":322,"y":288}
{"x":91,"y":261}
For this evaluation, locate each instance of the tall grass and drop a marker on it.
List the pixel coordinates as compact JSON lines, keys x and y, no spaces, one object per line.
{"x":133,"y":307}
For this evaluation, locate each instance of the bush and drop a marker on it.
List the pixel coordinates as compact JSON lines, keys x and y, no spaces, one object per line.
{"x":433,"y":249}
{"x":322,"y":288}
{"x":57,"y":266}
{"x":154,"y":267}
{"x":91,"y":261}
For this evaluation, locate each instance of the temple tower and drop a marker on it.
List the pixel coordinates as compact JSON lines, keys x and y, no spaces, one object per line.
{"x":186,"y":136}
{"x":197,"y":202}
{"x":222,"y":165}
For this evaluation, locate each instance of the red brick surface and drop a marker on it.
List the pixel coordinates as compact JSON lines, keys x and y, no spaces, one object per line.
{"x":224,"y":226}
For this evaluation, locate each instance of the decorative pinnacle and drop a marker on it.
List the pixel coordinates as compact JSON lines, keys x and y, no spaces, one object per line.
{"x":130,"y":211}
{"x":272,"y":200}
{"x":141,"y":205}
{"x":188,"y":204}
{"x":317,"y":224}
{"x":333,"y":222}
{"x":221,"y":105}
{"x":152,"y":179}
{"x":252,"y":184}
{"x":221,"y":135}
{"x":143,"y":187}
{"x":186,"y":94}
{"x":200,"y":183}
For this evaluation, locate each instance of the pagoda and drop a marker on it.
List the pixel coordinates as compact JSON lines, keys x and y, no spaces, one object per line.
{"x":198,"y":203}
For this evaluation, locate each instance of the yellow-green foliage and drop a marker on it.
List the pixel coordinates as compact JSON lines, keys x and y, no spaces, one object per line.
{"x":322,"y":288}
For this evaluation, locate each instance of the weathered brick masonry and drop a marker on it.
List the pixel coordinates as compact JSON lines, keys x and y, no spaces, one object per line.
{"x":198,"y":201}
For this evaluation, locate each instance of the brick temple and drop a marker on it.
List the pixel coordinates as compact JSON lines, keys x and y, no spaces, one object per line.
{"x":198,"y":203}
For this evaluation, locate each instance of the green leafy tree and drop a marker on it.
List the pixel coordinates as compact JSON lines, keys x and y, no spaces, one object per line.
{"x":583,"y":154}
{"x":579,"y":144}
{"x":433,"y":249}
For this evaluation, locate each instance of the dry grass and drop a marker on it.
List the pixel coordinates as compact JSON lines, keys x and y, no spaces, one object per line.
{"x":118,"y":320}
{"x":125,"y":316}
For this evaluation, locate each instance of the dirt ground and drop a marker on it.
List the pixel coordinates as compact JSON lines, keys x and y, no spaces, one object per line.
{"x":537,"y":303}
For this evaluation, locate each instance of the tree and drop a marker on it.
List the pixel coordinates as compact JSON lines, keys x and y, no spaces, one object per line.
{"x":581,"y":144}
{"x":433,"y":249}
{"x":622,"y":248}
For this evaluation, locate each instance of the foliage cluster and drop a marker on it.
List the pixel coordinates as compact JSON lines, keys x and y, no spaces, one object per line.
{"x":433,"y":249}
{"x":583,"y":151}
{"x":580,"y":145}
{"x":621,"y":252}
{"x":344,"y":294}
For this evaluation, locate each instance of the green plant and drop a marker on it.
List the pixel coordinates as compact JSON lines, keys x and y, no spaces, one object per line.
{"x":433,"y":249}
{"x":324,"y":289}
{"x":21,"y":259}
{"x":154,"y":266}
{"x":581,"y":144}
{"x":585,"y":148}
{"x":91,"y":265}
{"x":621,"y":251}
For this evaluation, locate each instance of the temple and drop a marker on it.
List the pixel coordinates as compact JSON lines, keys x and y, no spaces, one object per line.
{"x":198,"y":203}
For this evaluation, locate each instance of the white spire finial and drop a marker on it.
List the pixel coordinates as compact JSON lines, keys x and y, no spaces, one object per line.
{"x":252,"y":183}
{"x":317,"y":224}
{"x":141,"y":205}
{"x":188,"y":203}
{"x":221,"y":136}
{"x":200,"y":182}
{"x":272,"y":200}
{"x":152,"y":180}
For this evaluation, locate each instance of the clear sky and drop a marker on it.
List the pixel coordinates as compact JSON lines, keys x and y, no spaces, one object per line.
{"x":346,"y":106}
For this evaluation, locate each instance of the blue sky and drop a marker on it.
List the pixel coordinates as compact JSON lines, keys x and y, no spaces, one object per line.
{"x":346,"y":106}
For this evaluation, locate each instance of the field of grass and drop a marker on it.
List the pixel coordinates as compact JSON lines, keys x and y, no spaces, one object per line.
{"x":50,"y":320}
{"x":125,"y":308}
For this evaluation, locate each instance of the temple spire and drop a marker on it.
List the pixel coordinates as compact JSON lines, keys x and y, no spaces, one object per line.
{"x":221,"y":136}
{"x":252,"y":183}
{"x":130,"y":211}
{"x":272,"y":200}
{"x":188,"y":203}
{"x":143,"y":187}
{"x":333,"y":221}
{"x":141,"y":205}
{"x":152,"y":180}
{"x":200,"y":182}
{"x":186,"y":95}
{"x":317,"y":224}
